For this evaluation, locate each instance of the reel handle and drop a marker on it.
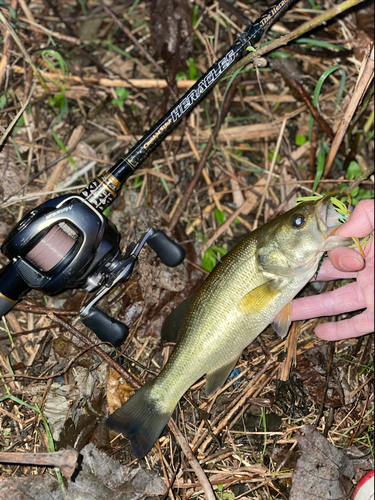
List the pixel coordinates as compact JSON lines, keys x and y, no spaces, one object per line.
{"x":169,"y":252}
{"x":12,"y":287}
{"x":107,"y":329}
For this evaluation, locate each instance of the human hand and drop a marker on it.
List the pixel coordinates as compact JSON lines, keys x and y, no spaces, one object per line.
{"x":345,"y":263}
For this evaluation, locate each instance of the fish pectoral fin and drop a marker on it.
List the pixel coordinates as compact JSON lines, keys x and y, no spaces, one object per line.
{"x":283,"y":320}
{"x":171,"y":326}
{"x":258,"y":298}
{"x":216,"y":378}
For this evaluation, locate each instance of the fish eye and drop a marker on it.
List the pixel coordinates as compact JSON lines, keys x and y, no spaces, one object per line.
{"x":298,"y":220}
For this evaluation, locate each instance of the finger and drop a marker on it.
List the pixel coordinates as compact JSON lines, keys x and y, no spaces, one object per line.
{"x":346,"y":259}
{"x":329,"y":272}
{"x":361,"y":222}
{"x":348,"y":298}
{"x":361,"y":324}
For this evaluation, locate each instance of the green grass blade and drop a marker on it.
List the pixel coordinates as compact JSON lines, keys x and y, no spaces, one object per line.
{"x":318,"y":89}
{"x":320,"y":43}
{"x":319,"y":168}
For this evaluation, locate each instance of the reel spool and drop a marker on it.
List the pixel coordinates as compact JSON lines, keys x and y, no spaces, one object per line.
{"x":53,"y":247}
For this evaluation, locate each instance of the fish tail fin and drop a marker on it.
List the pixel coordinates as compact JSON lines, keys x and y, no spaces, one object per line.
{"x":142,"y":419}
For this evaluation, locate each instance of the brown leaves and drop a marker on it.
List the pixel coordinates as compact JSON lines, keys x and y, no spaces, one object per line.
{"x":171,"y":28}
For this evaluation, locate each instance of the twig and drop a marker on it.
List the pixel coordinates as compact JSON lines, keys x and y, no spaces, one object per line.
{"x":8,"y":413}
{"x":42,"y":310}
{"x":126,"y":375}
{"x":328,"y":377}
{"x":357,"y":390}
{"x":101,"y":81}
{"x":17,"y":117}
{"x":234,"y":405}
{"x":364,"y":80}
{"x":272,"y":168}
{"x":361,"y":417}
{"x":53,"y":375}
{"x":291,"y":351}
{"x":4,"y":61}
{"x":26,"y":55}
{"x":254,"y":390}
{"x":206,"y":485}
{"x":360,"y":179}
{"x":65,"y":460}
{"x":236,"y":12}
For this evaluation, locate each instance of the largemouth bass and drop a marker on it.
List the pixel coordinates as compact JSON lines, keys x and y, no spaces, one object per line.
{"x":252,"y":287}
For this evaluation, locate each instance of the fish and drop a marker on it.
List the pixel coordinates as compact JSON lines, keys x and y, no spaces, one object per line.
{"x":250,"y":288}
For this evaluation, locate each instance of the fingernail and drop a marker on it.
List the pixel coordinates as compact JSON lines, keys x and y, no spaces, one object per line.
{"x":351,"y":263}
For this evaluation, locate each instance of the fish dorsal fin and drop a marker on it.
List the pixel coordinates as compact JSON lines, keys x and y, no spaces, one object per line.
{"x":283,"y":321}
{"x":171,"y":326}
{"x":216,"y":378}
{"x":258,"y":298}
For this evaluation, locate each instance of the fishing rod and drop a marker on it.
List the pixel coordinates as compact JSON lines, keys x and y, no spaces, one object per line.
{"x":68,"y":243}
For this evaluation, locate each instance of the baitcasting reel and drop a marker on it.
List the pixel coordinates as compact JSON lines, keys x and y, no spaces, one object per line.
{"x":66,"y":243}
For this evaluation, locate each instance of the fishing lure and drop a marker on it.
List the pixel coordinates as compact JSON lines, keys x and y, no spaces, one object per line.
{"x":345,"y":212}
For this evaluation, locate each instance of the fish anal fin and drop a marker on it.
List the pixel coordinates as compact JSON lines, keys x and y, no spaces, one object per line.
{"x":216,"y":378}
{"x":171,"y":325}
{"x":258,"y":298}
{"x":283,"y":320}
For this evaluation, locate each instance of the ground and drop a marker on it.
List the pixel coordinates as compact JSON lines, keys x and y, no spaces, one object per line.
{"x":90,"y":92}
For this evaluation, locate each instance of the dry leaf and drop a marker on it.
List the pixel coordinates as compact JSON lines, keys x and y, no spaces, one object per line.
{"x":118,"y":390}
{"x":311,"y":369}
{"x":105,"y":479}
{"x":323,"y":471}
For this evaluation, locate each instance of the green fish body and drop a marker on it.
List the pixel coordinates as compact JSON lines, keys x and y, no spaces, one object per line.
{"x":252,"y":287}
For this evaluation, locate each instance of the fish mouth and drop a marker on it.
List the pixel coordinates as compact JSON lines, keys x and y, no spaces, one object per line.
{"x":329,"y":221}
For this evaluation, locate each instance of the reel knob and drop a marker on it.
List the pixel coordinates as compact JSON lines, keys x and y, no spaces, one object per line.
{"x":107,"y":329}
{"x":169,"y":252}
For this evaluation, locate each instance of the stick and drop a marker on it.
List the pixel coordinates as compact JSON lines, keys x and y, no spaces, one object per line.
{"x":365,"y":77}
{"x":17,"y":117}
{"x":65,"y":460}
{"x":126,"y":375}
{"x":206,"y":485}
